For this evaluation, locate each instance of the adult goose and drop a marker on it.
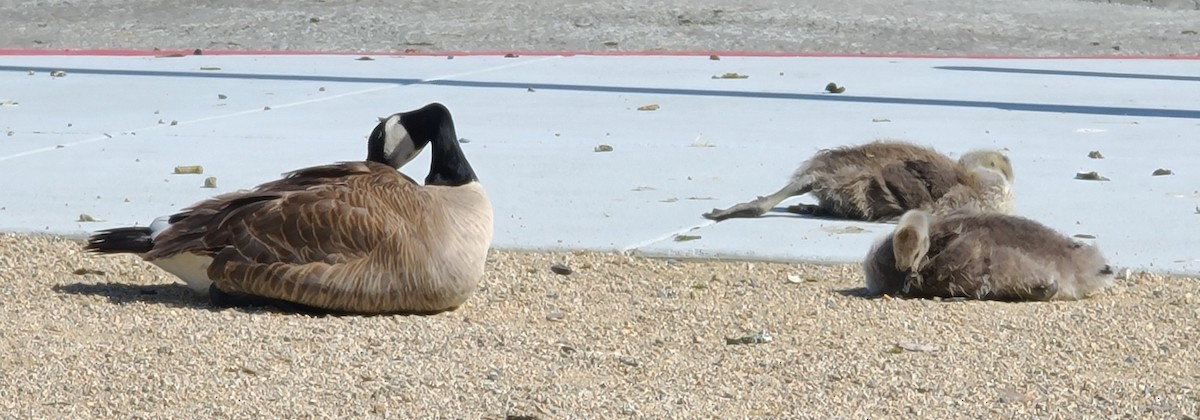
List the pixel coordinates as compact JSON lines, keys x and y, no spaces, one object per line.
{"x":879,"y":181}
{"x":351,"y":237}
{"x":981,"y":255}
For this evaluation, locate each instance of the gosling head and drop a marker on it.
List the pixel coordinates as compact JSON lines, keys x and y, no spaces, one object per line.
{"x":989,"y":159}
{"x":910,"y":241}
{"x":989,"y":184}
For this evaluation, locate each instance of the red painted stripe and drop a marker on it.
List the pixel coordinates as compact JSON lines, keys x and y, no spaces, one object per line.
{"x":146,"y":53}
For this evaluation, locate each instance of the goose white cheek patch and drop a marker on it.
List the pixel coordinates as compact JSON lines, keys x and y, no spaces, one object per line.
{"x":397,"y":142}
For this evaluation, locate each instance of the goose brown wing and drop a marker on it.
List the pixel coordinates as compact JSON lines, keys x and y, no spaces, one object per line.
{"x":331,"y":245}
{"x":201,"y":228}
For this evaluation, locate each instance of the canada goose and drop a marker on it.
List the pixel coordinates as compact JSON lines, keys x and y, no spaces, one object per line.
{"x":982,"y":255}
{"x":880,"y":180}
{"x":350,"y":237}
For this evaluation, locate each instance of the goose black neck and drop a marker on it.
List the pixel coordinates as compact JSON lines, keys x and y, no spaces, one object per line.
{"x":448,"y":167}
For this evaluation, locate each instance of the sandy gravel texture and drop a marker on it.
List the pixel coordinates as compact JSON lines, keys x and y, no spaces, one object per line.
{"x":621,"y":337}
{"x":1020,"y":27}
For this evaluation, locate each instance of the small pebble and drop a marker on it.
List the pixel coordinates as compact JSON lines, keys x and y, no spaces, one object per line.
{"x":1095,"y":154}
{"x":561,"y":269}
{"x":651,"y":107}
{"x":1161,"y":172}
{"x":915,"y":347}
{"x":58,"y":73}
{"x":834,"y":88}
{"x":210,"y":182}
{"x":686,"y":238}
{"x":1125,"y":274}
{"x":189,"y":169}
{"x":760,"y":338}
{"x":604,"y":148}
{"x":629,"y":361}
{"x":732,"y":75}
{"x":555,"y":316}
{"x":222,"y":96}
{"x":1090,"y":176}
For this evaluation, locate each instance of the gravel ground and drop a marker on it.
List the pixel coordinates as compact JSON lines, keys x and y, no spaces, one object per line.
{"x":620,"y":337}
{"x":1022,"y":27}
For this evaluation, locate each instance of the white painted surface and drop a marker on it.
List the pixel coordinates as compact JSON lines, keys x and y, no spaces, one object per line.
{"x":534,"y":150}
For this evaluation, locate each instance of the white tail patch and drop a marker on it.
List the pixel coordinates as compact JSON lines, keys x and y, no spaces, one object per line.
{"x":189,"y":267}
{"x":158,"y":226}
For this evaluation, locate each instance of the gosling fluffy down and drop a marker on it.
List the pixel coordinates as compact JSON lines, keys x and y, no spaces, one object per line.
{"x":879,"y":181}
{"x":350,"y":237}
{"x":981,"y":255}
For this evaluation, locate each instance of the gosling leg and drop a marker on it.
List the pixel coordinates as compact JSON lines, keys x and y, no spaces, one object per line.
{"x":759,"y":206}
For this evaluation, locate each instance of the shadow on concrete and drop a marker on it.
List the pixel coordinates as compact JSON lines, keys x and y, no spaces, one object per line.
{"x":1044,"y":72}
{"x":1008,"y":106}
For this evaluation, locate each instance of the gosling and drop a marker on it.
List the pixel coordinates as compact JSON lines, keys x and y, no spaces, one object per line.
{"x":986,"y":256}
{"x":879,"y":181}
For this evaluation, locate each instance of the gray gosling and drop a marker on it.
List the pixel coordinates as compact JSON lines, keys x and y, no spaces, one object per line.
{"x":986,"y":256}
{"x":879,"y":181}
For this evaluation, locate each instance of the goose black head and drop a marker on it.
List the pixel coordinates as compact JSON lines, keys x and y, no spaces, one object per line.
{"x":392,"y":144}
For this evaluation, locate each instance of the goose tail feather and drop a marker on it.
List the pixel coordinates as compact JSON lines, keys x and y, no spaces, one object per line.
{"x":124,"y":240}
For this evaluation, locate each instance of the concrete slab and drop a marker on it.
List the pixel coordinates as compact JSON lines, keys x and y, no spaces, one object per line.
{"x":711,"y":142}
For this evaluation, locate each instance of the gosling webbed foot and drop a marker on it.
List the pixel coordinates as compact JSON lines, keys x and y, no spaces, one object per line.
{"x":749,"y":209}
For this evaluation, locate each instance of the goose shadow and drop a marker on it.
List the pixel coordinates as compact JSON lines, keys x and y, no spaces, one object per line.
{"x":180,"y":296}
{"x":858,"y":292}
{"x":171,"y":295}
{"x":862,"y":292}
